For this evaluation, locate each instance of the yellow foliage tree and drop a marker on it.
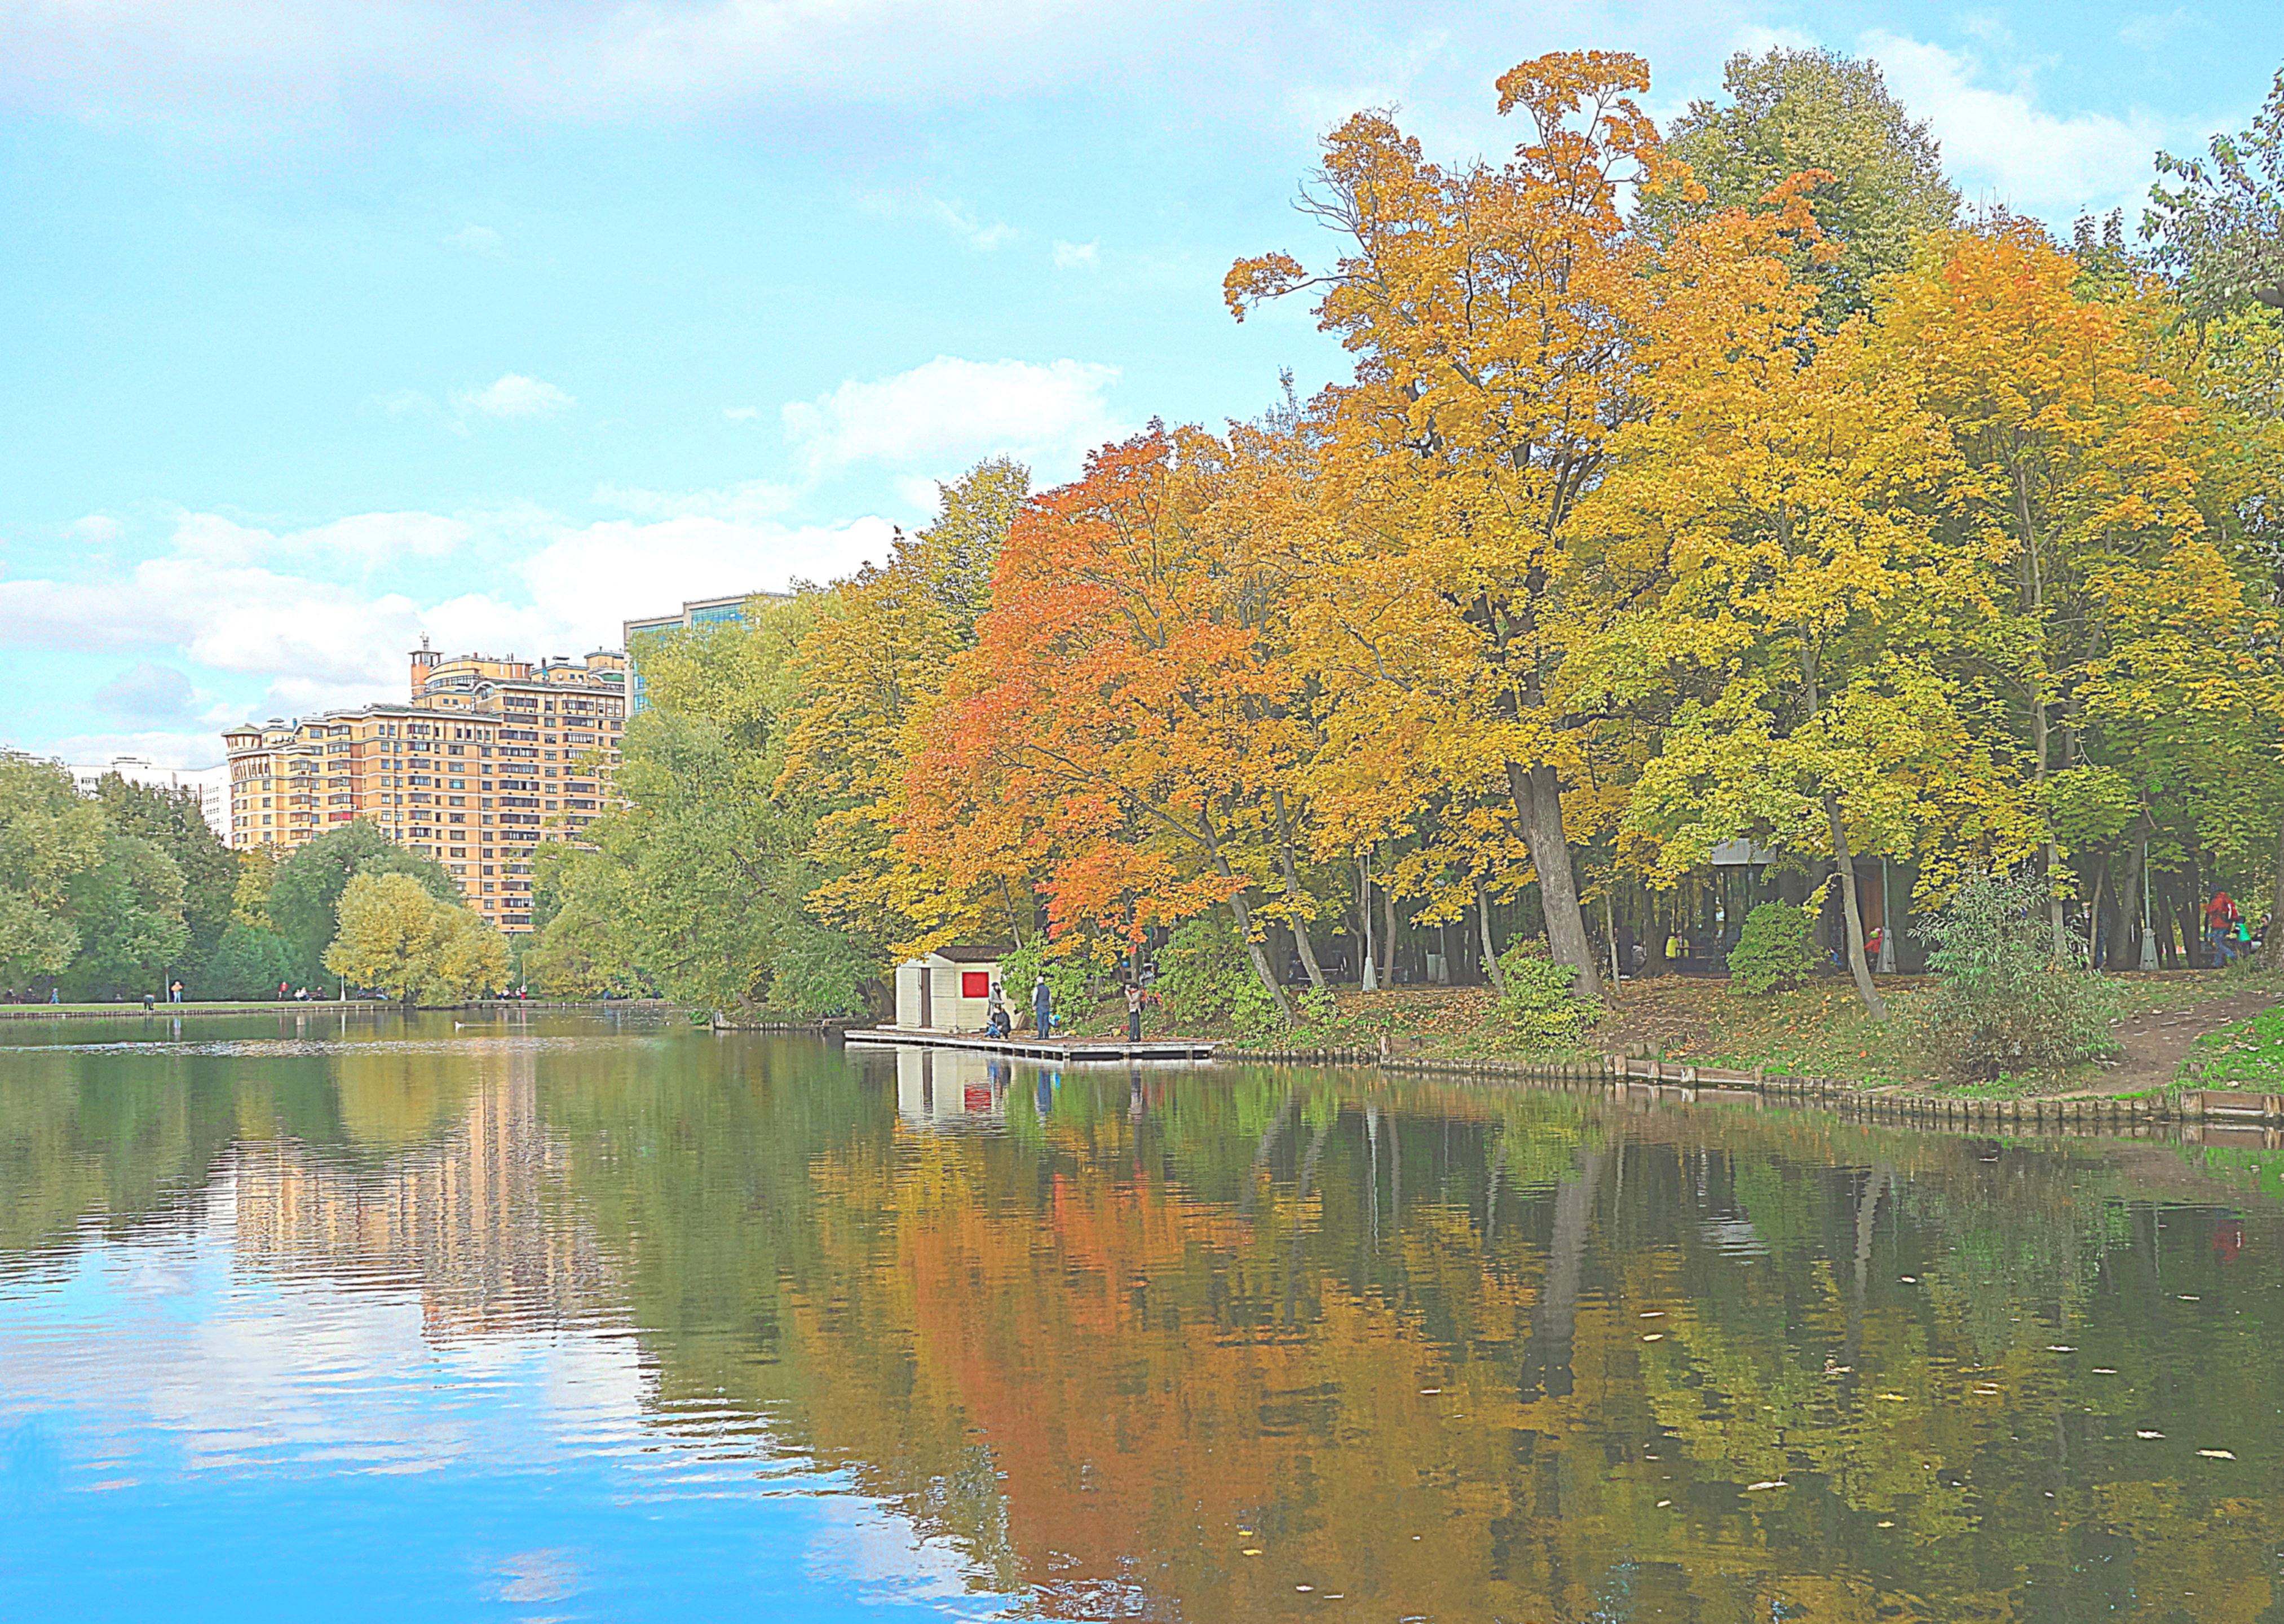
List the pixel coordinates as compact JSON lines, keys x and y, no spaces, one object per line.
{"x":404,"y":944}
{"x":1491,"y":310}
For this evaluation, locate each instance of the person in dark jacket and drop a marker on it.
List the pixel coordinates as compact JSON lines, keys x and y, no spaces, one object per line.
{"x":1043,"y":1004}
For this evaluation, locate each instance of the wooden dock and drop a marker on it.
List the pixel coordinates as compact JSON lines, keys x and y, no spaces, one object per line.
{"x":1158,"y":1052}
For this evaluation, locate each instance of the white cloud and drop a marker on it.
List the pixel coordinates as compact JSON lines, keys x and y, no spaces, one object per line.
{"x":917,"y":492}
{"x":159,"y":747}
{"x":945,"y":413}
{"x":1077,"y":256}
{"x":969,"y":229}
{"x":2152,"y":30}
{"x":243,"y":602}
{"x":750,"y":503}
{"x":741,"y":414}
{"x":480,"y":240}
{"x":2004,"y":148}
{"x":514,"y":395}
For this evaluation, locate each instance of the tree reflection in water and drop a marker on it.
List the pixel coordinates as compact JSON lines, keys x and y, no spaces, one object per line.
{"x":1241,"y":1343}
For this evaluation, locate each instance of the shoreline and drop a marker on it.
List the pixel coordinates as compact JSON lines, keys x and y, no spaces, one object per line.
{"x":2257,"y":1112}
{"x":351,"y":1006}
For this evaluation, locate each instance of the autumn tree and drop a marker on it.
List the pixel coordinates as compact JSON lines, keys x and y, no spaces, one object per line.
{"x":2077,"y":478}
{"x":403,"y":942}
{"x":1768,"y":549}
{"x":869,"y":671}
{"x":1491,"y":310}
{"x":1880,"y":189}
{"x":1119,"y":707}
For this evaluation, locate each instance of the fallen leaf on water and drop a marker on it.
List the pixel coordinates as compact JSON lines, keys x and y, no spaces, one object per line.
{"x":1251,"y":1550}
{"x":2138,"y":1433}
{"x":2056,"y":1347}
{"x":1771,"y":1483}
{"x":1664,"y":1503}
{"x":1896,"y":1398}
{"x":2216,"y":1455}
{"x":1655,"y":1336}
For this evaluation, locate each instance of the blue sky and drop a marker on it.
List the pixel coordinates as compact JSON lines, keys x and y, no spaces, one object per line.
{"x":331,"y":322}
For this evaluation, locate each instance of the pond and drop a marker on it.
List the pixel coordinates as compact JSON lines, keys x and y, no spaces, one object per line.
{"x":576,"y":1318}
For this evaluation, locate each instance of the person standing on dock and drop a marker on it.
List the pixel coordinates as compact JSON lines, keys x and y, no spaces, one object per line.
{"x":1043,"y":1004}
{"x":1134,"y":1012}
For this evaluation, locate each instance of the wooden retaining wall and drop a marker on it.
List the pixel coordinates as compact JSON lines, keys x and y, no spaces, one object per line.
{"x":2209,"y":1112}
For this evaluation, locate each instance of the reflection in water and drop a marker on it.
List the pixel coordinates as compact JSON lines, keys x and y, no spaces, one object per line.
{"x":471,"y":1219}
{"x":662,"y":1325}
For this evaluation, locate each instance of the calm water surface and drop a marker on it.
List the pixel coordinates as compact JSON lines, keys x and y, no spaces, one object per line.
{"x":573,"y":1320}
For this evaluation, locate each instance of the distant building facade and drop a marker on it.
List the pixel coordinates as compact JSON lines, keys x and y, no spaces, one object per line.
{"x":486,"y":755}
{"x":211,"y":783}
{"x":637,"y":635}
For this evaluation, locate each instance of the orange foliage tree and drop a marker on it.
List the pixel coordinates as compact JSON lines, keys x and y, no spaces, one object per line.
{"x":1124,"y":719}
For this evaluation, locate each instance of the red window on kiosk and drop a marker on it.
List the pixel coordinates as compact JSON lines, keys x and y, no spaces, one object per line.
{"x":975,"y":983}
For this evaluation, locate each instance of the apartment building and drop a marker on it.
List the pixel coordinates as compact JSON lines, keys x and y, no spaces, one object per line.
{"x":211,"y":784}
{"x":486,"y":757}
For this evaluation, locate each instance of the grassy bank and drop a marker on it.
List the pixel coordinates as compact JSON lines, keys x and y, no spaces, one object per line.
{"x":2206,"y":1027}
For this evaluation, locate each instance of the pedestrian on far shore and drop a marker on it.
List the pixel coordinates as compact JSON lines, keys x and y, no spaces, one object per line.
{"x":1134,"y":1012}
{"x":1043,"y":1004}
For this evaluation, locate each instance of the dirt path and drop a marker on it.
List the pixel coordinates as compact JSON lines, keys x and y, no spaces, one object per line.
{"x":2156,"y":1040}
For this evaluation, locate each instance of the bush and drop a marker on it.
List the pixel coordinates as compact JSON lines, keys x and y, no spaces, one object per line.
{"x":1772,"y":951}
{"x":1071,"y":983}
{"x":1204,"y":977}
{"x":1541,"y":1002}
{"x":2007,"y":1001}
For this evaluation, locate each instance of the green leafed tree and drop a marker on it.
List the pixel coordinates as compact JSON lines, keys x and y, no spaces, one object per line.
{"x":2218,"y":221}
{"x":1793,"y":111}
{"x":48,"y":835}
{"x":171,"y":820}
{"x":700,"y":886}
{"x":305,"y":894}
{"x":129,"y":911}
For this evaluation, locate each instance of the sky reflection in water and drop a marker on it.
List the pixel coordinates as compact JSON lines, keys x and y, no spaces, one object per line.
{"x":562,"y":1321}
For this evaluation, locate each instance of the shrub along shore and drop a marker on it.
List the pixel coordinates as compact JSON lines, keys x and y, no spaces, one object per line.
{"x":2172,"y":1030}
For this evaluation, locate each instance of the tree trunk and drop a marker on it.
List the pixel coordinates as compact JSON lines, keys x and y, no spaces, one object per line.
{"x":1260,"y":959}
{"x":1538,"y":801}
{"x":1245,"y":930}
{"x":1490,"y":953}
{"x":2093,"y":911}
{"x":2128,"y":902}
{"x":1857,"y":963}
{"x":1293,"y":895}
{"x":2052,"y":853}
{"x":1387,"y":936}
{"x":2272,"y":951}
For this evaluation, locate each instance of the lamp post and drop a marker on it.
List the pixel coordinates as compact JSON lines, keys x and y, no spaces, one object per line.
{"x":2148,"y":936}
{"x":1371,"y":982}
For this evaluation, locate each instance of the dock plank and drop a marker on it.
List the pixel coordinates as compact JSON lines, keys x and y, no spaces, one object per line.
{"x":1151,"y":1051}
